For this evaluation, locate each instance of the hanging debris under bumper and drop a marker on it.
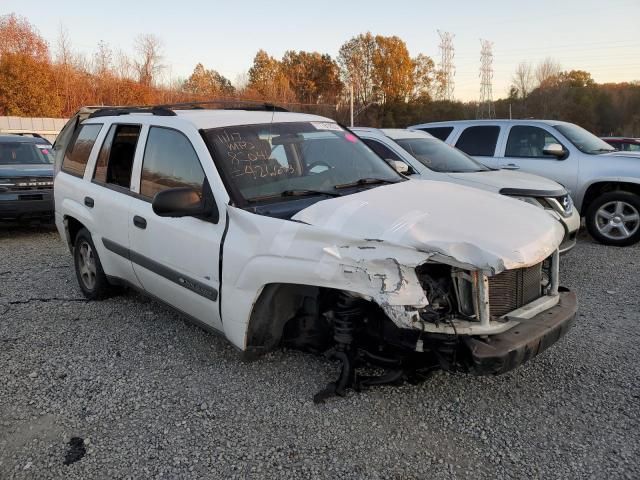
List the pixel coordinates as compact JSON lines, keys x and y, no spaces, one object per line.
{"x":496,"y":354}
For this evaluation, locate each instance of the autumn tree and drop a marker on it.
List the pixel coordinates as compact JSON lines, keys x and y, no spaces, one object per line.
{"x":27,"y":87}
{"x":207,"y":83}
{"x":424,"y":77}
{"x":148,"y":48}
{"x":313,"y":77}
{"x":17,"y":35}
{"x":523,"y":80}
{"x":356,"y":59}
{"x":392,"y":69}
{"x":267,"y":78}
{"x":546,"y":71}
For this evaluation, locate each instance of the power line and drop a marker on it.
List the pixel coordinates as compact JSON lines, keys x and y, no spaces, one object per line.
{"x":447,"y":69}
{"x":485,"y":104}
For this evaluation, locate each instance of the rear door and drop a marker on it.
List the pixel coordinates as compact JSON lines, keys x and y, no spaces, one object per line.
{"x":108,"y":195}
{"x":524,"y":150}
{"x":480,"y":142}
{"x":176,"y":259}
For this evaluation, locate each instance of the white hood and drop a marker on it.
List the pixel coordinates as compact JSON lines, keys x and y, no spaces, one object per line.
{"x":471,"y":226}
{"x":496,"y":180}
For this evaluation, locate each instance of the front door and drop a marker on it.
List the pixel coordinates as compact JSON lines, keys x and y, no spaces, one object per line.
{"x":524,"y":150}
{"x":176,"y":259}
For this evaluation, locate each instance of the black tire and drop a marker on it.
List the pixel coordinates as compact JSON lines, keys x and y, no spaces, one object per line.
{"x":83,"y":247}
{"x":593,"y":220}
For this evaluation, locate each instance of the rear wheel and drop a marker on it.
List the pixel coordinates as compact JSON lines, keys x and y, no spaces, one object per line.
{"x":614,"y":218}
{"x":91,"y":278}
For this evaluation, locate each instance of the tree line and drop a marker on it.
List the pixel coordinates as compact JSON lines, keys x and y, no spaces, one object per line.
{"x":390,"y":87}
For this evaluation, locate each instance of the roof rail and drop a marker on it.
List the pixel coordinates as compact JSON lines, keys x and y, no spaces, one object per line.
{"x":169,"y":108}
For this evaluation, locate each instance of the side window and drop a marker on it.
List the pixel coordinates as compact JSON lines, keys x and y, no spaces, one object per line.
{"x":441,"y":133}
{"x":169,"y":162}
{"x":77,"y":154}
{"x":382,"y":150}
{"x":525,"y":141}
{"x":479,"y":141}
{"x":115,"y":160}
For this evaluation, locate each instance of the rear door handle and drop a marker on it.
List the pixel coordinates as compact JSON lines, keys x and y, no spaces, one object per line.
{"x":88,"y":201}
{"x":510,"y":166}
{"x":139,"y":222}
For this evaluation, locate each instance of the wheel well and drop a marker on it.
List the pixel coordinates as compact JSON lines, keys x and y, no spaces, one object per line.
{"x":597,"y":189}
{"x":73,"y":226}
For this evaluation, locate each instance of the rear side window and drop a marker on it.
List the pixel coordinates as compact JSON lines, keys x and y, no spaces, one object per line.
{"x":479,"y":141}
{"x":115,"y":160}
{"x":382,"y":150}
{"x":441,"y":133}
{"x":77,"y":154}
{"x":169,"y":162}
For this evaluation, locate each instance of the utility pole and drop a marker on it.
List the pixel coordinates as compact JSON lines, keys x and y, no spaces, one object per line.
{"x":351,"y":102}
{"x":485,"y":104}
{"x":447,"y":69}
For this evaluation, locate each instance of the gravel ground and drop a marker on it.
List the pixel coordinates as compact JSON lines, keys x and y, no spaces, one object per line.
{"x":153,"y":396}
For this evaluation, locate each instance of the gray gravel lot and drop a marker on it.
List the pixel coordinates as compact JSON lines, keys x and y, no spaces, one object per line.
{"x":153,"y":396}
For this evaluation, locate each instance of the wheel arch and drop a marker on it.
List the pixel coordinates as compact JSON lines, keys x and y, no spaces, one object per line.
{"x":605,"y":186}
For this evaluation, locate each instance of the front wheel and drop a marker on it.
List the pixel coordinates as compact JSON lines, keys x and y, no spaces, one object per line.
{"x":614,"y":218}
{"x":91,"y":278}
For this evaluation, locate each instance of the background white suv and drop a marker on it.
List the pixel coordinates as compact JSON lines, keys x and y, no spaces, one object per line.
{"x":604,"y":184}
{"x":431,"y":159}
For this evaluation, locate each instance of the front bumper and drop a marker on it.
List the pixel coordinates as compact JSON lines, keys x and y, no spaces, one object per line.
{"x":26,"y":205}
{"x":500,"y":353}
{"x":571,"y":226}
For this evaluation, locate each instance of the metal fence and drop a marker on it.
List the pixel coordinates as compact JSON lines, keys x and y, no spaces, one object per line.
{"x":45,"y":127}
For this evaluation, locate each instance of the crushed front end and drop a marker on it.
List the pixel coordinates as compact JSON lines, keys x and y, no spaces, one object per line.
{"x":473,"y":323}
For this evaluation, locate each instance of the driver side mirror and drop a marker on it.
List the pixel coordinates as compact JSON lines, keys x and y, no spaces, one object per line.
{"x":554,"y":149}
{"x":178,"y":202}
{"x":399,"y":166}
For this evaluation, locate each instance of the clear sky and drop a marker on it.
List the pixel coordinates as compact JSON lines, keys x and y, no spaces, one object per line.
{"x":602,"y":37}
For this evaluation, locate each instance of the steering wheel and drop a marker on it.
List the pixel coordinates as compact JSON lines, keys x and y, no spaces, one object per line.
{"x":318,"y":163}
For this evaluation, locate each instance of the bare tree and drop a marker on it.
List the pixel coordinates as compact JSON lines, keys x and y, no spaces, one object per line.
{"x":523,"y":79}
{"x":148,"y":47}
{"x":547,"y":69}
{"x":125,"y":68}
{"x":102,"y":59}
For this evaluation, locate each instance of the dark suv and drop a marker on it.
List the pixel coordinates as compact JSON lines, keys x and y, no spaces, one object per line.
{"x":26,"y":178}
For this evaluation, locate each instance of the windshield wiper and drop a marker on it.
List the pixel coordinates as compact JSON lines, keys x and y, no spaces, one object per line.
{"x":364,"y":181}
{"x":603,"y":150}
{"x":295,"y":193}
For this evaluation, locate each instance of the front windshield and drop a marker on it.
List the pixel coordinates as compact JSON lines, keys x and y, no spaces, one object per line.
{"x":24,"y":153}
{"x":440,"y":157}
{"x":584,"y":140}
{"x":272,"y":160}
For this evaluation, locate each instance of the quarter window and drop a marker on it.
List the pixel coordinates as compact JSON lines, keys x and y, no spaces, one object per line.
{"x":441,"y":133}
{"x":115,"y":160}
{"x":382,"y":150}
{"x":77,"y":155}
{"x":169,"y":162}
{"x":479,"y":141}
{"x":528,"y":142}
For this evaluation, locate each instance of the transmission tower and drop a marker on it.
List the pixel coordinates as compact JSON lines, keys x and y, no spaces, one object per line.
{"x":485,"y":104}
{"x":447,"y":69}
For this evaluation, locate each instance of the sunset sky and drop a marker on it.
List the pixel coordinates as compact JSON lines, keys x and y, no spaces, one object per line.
{"x":600,"y":37}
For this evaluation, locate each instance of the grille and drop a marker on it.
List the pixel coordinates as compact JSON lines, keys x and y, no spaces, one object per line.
{"x":21,"y":184}
{"x":512,"y":289}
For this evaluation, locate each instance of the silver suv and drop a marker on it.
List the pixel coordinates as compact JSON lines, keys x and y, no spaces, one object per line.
{"x":605,"y":186}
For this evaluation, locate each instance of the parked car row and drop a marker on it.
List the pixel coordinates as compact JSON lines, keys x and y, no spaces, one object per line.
{"x":604,"y":183}
{"x":277,"y":228}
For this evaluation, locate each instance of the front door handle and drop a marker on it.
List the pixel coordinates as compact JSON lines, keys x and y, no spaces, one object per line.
{"x":139,"y":222}
{"x":88,"y":201}
{"x":510,"y":166}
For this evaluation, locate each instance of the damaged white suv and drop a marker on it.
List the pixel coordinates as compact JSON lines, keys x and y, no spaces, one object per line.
{"x":278,"y":228}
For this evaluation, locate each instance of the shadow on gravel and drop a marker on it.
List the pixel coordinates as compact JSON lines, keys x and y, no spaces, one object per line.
{"x":14,"y":230}
{"x":76,"y":451}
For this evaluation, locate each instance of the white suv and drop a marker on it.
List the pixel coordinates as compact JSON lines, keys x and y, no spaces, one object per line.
{"x":277,"y":228}
{"x":431,"y":159}
{"x":604,"y":183}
